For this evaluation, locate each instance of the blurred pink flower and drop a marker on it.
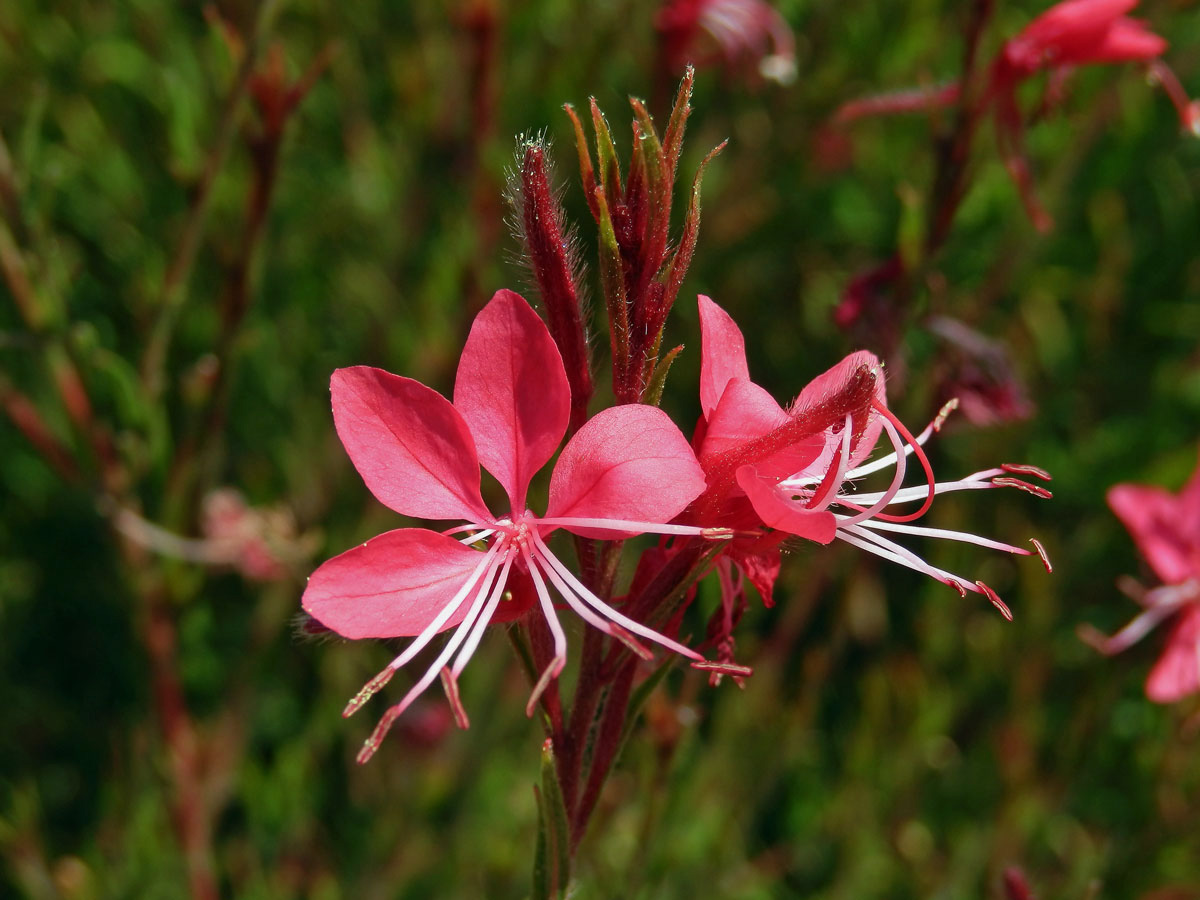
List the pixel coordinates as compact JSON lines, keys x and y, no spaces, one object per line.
{"x":794,"y":470}
{"x":256,"y":542}
{"x":261,"y":543}
{"x":734,"y":33}
{"x":626,"y":471}
{"x":978,"y":372}
{"x":1166,"y":529}
{"x":1069,"y":34}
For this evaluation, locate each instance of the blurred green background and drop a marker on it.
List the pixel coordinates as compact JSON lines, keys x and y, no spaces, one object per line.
{"x":895,"y":741}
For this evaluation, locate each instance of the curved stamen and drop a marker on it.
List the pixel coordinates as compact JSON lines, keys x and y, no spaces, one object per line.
{"x":898,"y":479}
{"x":859,"y":537}
{"x":834,"y":476}
{"x":482,"y":599}
{"x":488,"y":564}
{"x":542,"y":554}
{"x":600,"y":606}
{"x":921,"y":457}
{"x":946,"y":534}
{"x":485,"y":618}
{"x":932,"y":428}
{"x":554,"y":669}
{"x":491,"y":564}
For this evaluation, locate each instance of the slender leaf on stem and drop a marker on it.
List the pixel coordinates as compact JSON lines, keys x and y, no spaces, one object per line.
{"x":682,"y":259}
{"x":657,"y":379}
{"x":612,"y":281}
{"x":606,"y":154}
{"x":657,"y":213}
{"x":552,"y":856}
{"x":585,"y":161}
{"x":673,"y":138}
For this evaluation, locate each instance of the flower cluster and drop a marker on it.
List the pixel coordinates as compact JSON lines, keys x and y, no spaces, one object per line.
{"x":755,"y":478}
{"x":754,"y":475}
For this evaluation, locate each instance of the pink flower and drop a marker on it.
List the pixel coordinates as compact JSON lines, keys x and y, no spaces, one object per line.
{"x":1166,"y":529}
{"x":1069,"y":34}
{"x":794,"y":470}
{"x":978,"y":372}
{"x":732,"y":32}
{"x":626,"y":471}
{"x":1077,"y":32}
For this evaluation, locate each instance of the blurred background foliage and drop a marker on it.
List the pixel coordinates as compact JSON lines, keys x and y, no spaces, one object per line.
{"x":895,"y":741}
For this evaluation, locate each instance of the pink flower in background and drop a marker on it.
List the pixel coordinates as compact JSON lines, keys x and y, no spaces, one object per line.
{"x":254,"y":541}
{"x":626,"y":471}
{"x":1069,"y":34}
{"x":1166,"y":529}
{"x":794,"y":470}
{"x":978,"y":371}
{"x":729,"y":32}
{"x":1077,"y":32}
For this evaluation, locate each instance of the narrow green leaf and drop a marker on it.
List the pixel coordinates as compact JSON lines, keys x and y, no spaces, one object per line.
{"x":673,"y":138}
{"x":585,"y":161}
{"x":682,"y":259}
{"x":557,"y":833}
{"x":657,"y":379}
{"x":541,"y":872}
{"x":612,"y":282}
{"x":606,"y":153}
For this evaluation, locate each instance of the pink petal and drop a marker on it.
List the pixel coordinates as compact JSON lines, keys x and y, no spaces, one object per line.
{"x":1153,"y":518}
{"x":1127,"y":40}
{"x":1073,"y":20}
{"x":777,"y":511}
{"x":627,"y":462}
{"x":1177,"y":672}
{"x":1188,"y":507}
{"x":393,"y":585}
{"x":513,"y":391}
{"x":832,"y":381}
{"x":722,"y":354}
{"x":409,"y":444}
{"x":746,"y":412}
{"x":760,"y":567}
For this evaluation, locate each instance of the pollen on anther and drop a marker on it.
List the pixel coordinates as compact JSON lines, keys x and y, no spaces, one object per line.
{"x":995,"y":600}
{"x":1041,"y":552}
{"x":1036,"y":490}
{"x":723,"y":668}
{"x":1024,"y":469}
{"x":450,"y":686}
{"x":944,"y":413}
{"x":369,"y":690}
